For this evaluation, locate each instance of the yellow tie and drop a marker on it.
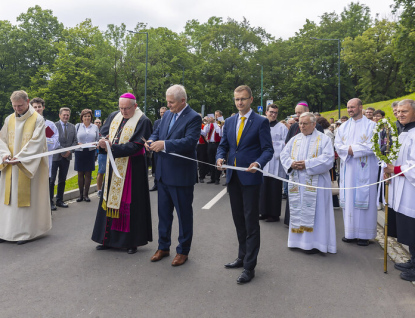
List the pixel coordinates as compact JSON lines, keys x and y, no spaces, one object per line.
{"x":241,"y":128}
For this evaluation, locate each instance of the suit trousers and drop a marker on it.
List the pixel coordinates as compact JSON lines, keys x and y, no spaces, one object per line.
{"x":63,"y":166}
{"x":245,"y":212}
{"x":181,"y":199}
{"x":202,"y":156}
{"x":212,"y":149}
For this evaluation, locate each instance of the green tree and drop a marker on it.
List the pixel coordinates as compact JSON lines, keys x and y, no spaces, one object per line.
{"x":370,"y":57}
{"x":404,"y":42}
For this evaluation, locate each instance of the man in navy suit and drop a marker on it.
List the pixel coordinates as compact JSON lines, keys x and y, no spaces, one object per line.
{"x":247,"y":139}
{"x":178,"y":132}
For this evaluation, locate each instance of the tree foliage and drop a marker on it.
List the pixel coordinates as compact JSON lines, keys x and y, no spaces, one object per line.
{"x":85,"y":67}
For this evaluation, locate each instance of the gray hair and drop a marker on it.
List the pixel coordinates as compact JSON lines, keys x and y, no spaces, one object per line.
{"x":394,"y":104}
{"x":309,"y":115}
{"x":409,"y":102}
{"x":17,"y":95}
{"x":177,"y":91}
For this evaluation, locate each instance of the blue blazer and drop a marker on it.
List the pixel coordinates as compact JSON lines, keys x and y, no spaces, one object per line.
{"x":182,"y":139}
{"x":255,"y":145}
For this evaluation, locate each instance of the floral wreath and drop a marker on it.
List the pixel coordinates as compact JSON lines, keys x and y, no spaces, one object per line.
{"x":394,"y":147}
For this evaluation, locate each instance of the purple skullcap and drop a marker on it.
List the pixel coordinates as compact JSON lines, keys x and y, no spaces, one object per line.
{"x":127,"y":95}
{"x":303,"y":104}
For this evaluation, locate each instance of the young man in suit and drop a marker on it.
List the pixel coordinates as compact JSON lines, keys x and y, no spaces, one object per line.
{"x":247,"y":139}
{"x":178,"y":132}
{"x":61,"y":161}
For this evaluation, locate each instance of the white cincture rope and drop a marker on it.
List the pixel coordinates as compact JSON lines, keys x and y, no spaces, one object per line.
{"x":285,"y":180}
{"x":53,"y":152}
{"x":114,"y":167}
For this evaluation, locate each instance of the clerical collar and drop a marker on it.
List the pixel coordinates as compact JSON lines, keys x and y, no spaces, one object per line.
{"x":273,"y":123}
{"x":408,"y":126}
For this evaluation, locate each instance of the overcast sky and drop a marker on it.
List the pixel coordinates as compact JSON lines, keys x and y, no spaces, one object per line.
{"x":279,"y":18}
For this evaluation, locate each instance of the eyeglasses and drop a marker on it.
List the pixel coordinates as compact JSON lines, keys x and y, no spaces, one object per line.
{"x":273,"y":113}
{"x":241,"y":99}
{"x":125,"y":108}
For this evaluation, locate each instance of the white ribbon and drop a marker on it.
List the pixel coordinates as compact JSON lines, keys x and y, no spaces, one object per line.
{"x":56,"y":151}
{"x":114,"y":167}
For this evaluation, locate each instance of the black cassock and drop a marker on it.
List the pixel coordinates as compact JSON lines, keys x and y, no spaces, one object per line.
{"x":140,"y":211}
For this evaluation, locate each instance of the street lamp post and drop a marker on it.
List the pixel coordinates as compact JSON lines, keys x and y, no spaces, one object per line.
{"x":145,"y":80}
{"x":262,"y":84}
{"x":338,"y":67}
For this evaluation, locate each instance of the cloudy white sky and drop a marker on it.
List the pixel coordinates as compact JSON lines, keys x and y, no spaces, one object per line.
{"x":279,"y":18}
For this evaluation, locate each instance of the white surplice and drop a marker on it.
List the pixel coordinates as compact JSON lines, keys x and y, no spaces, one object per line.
{"x":278,"y":134}
{"x":359,"y":205}
{"x":323,"y":236}
{"x":25,"y":223}
{"x":402,"y":188}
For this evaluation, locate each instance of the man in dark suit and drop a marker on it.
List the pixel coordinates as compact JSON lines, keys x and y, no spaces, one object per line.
{"x":178,"y":132}
{"x":61,"y":161}
{"x":154,"y":157}
{"x":247,"y":139}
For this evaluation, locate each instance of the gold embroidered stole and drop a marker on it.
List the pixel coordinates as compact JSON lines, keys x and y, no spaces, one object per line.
{"x":23,"y":182}
{"x":302,"y":210}
{"x":112,"y":202}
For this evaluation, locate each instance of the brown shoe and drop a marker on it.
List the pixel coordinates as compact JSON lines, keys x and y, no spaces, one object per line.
{"x":180,"y":259}
{"x":159,"y":254}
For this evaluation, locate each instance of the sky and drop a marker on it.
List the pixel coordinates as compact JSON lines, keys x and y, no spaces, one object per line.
{"x":279,"y":18}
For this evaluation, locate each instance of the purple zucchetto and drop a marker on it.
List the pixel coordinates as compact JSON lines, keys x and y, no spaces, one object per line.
{"x":303,"y":104}
{"x":127,"y":95}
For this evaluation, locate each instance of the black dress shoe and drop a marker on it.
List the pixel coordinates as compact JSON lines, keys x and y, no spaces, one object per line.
{"x":246,"y":276}
{"x":402,"y":266}
{"x":53,"y":207}
{"x":201,"y":180}
{"x":102,"y":247}
{"x":154,"y":188}
{"x":263,"y":217}
{"x":217,"y":182}
{"x":61,"y":204}
{"x":86,"y":199}
{"x":235,"y":264}
{"x":312,"y":251}
{"x":2,"y":241}
{"x":363,"y":242}
{"x":132,"y":250}
{"x":211,"y":181}
{"x":408,"y":275}
{"x":22,"y":242}
{"x":80,"y":199}
{"x":346,"y":240}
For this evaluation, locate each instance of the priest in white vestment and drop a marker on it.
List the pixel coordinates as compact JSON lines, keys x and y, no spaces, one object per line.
{"x":358,"y":167}
{"x":24,"y":185}
{"x":307,"y":158}
{"x":401,"y":216}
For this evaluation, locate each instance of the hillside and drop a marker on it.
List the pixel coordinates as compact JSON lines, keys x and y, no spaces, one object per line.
{"x":383,"y":105}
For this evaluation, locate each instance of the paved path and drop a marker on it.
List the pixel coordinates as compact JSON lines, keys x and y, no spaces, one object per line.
{"x":62,"y":275}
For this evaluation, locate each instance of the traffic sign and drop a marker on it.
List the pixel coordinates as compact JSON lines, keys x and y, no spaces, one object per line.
{"x":260,"y":109}
{"x":97,"y":113}
{"x":269,"y":102}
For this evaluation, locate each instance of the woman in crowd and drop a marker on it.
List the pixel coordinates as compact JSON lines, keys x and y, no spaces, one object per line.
{"x":85,"y":157}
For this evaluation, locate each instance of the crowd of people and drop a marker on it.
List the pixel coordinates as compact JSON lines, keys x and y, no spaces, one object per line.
{"x":301,"y":157}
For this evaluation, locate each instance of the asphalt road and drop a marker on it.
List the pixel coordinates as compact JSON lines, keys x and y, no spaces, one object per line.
{"x":62,"y":275}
